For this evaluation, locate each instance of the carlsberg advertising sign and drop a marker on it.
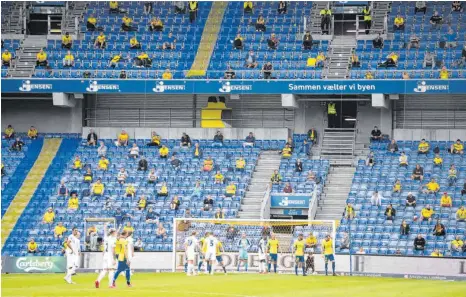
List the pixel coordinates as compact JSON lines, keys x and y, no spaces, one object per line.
{"x":33,"y":264}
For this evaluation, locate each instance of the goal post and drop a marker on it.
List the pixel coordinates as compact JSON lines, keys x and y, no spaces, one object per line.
{"x":229,"y":232}
{"x":94,"y":243}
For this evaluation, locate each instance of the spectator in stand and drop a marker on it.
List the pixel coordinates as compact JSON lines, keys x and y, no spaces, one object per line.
{"x":120,"y":217}
{"x":282,"y":7}
{"x":345,"y":242}
{"x":307,"y":41}
{"x":134,"y":151}
{"x":438,"y":161}
{"x":163,"y":152}
{"x":436,"y":253}
{"x":114,"y":7}
{"x":6,"y":58}
{"x":66,"y":41}
{"x":142,"y":164}
{"x":163,"y":190}
{"x":423,"y":147}
{"x":451,"y":39}
{"x":230,"y":190}
{"x":420,"y":6}
{"x":376,"y":199}
{"x":127,"y":23}
{"x":208,"y":203}
{"x":240,"y":164}
{"x":267,"y":70}
{"x":238,"y":43}
{"x":155,"y":139}
{"x":444,"y":73}
{"x":452,"y":175}
{"x":193,"y":8}
{"x":427,"y":213}
{"x":92,"y":138}
{"x":320,"y":60}
{"x":432,"y":187}
{"x":390,"y":213}
{"x":397,"y":187}
{"x":134,"y":43}
{"x":98,"y":188}
{"x":185,"y":140}
{"x":392,"y":61}
{"x":62,"y":189}
{"x":114,"y":60}
{"x":325,"y":16}
{"x":429,"y":60}
{"x":175,"y":163}
{"x":456,"y":6}
{"x":219,"y":214}
{"x":91,"y":23}
{"x":197,"y":152}
{"x":156,"y":25}
{"x":436,"y":21}
{"x":457,"y":147}
{"x":439,"y":229}
{"x":41,"y":58}
{"x":250,"y":140}
{"x":180,"y":7}
{"x":370,"y":160}
{"x":88,"y":176}
{"x":298,"y":165}
{"x":399,"y":23}
{"x":143,"y":60}
{"x":369,"y":75}
{"x":208,"y":164}
{"x":463,"y":190}
{"x":251,"y":60}
{"x":33,"y":247}
{"x":229,"y":73}
{"x":100,"y":41}
{"x":405,"y":75}
{"x":218,"y":139}
{"x":170,"y":42}
{"x":77,"y":164}
{"x":59,"y":230}
{"x":103,"y":163}
{"x":288,"y":189}
{"x":9,"y":132}
{"x":445,"y":200}
{"x":73,"y":202}
{"x":414,"y":41}
{"x":122,"y":175}
{"x":248,"y":7}
{"x":393,"y":146}
{"x":161,"y":232}
{"x":139,"y":245}
{"x":276,"y":178}
{"x":376,"y":134}
{"x":378,"y":41}
{"x":461,"y":214}
{"x":175,"y":204}
{"x":456,"y":244}
{"x":410,"y":200}
{"x":355,"y":60}
{"x":152,"y":177}
{"x":197,"y":190}
{"x":17,"y":145}
{"x":418,"y":173}
{"x":148,"y":7}
{"x":123,"y":74}
{"x":287,"y":151}
{"x":142,"y":203}
{"x":151,"y":217}
{"x":122,"y":139}
{"x":311,"y":176}
{"x":419,"y":243}
{"x":349,"y":212}
{"x":273,"y":42}
{"x":404,"y":228}
{"x":49,"y":216}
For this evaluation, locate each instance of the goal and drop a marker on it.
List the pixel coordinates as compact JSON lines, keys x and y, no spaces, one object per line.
{"x":230,"y":231}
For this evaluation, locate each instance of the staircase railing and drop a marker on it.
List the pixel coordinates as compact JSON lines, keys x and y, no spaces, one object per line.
{"x":265,"y":205}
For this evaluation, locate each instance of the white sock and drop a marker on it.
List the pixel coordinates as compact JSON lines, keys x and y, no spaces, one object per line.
{"x":205,"y":267}
{"x":69,"y":272}
{"x":111,"y":273}
{"x":101,"y":275}
{"x":261,"y":266}
{"x":190,"y":269}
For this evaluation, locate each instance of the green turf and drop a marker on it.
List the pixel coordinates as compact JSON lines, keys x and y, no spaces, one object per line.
{"x":234,"y":285}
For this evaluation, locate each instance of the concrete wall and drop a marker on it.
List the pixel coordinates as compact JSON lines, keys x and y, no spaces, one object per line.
{"x":429,"y":134}
{"x":309,"y":115}
{"x":368,"y":117}
{"x":23,"y":113}
{"x":194,"y":133}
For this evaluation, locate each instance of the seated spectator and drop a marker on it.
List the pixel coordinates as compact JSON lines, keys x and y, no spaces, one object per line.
{"x":230,"y":190}
{"x":59,"y":230}
{"x":267,"y":70}
{"x":457,"y":244}
{"x":88,"y":176}
{"x":240,"y":164}
{"x":451,"y":39}
{"x":414,"y":41}
{"x":444,"y":73}
{"x":439,"y":229}
{"x":312,"y":136}
{"x":62,"y":189}
{"x":219,"y":214}
{"x":151,"y":217}
{"x":404,"y":228}
{"x":208,"y":164}
{"x":250,"y":140}
{"x":399,"y":23}
{"x":161,"y":232}
{"x":91,"y":23}
{"x":73,"y":202}
{"x":33,"y":247}
{"x":154,"y":139}
{"x":170,"y":42}
{"x":175,"y":203}
{"x":92,"y":138}
{"x":251,"y":60}
{"x":41,"y":58}
{"x":349,"y":213}
{"x":122,"y":175}
{"x":197,"y":152}
{"x":405,"y":75}
{"x":420,"y":6}
{"x":411,"y":200}
{"x":142,"y":164}
{"x":134,"y":151}
{"x":49,"y":216}
{"x":361,"y":251}
{"x":130,"y":191}
{"x":368,"y":75}
{"x":229,"y":73}
{"x":463,"y":190}
{"x":436,"y":253}
{"x":156,"y":25}
{"x":126,"y":24}
{"x":457,"y":147}
{"x":307,"y":41}
{"x":123,"y":139}
{"x":3,"y":170}
{"x":376,"y":199}
{"x":378,"y":41}
{"x":208,"y":203}
{"x":376,"y":134}
{"x":114,"y":60}
{"x":100,"y":41}
{"x":438,"y":161}
{"x":397,"y":186}
{"x":432,"y":187}
{"x":390,"y":213}
{"x":152,"y":177}
{"x":429,"y":60}
{"x":418,"y":173}
{"x":163,"y":190}
{"x":355,"y":60}
{"x":370,"y":160}
{"x":163,"y":152}
{"x":298,"y":165}
{"x":260,"y":24}
{"x":426,"y":213}
{"x":143,"y":60}
{"x":452,"y":175}
{"x":287,"y":189}
{"x":445,"y":200}
{"x":287,"y":151}
{"x":461,"y":214}
{"x":423,"y":147}
{"x":392,"y":61}
{"x":175,"y":162}
{"x":17,"y":145}
{"x":128,"y":227}
{"x":134,"y":43}
{"x":248,"y":6}
{"x":393,"y":146}
{"x":320,"y":60}
{"x":436,"y":20}
{"x":148,"y":7}
{"x":6,"y":58}
{"x":77,"y":164}
{"x":114,"y":7}
{"x":273,"y":42}
{"x":218,"y":139}
{"x":185,"y":140}
{"x":180,"y":7}
{"x":66,"y":41}
{"x":9,"y":132}
{"x":103,"y":163}
{"x":197,"y":190}
{"x":238,"y":42}
{"x":311,"y":176}
{"x":98,"y":188}
{"x":276,"y":178}
{"x":419,"y":243}
{"x":142,"y":203}
{"x":167,"y":74}
{"x":231,"y":233}
{"x":456,"y":6}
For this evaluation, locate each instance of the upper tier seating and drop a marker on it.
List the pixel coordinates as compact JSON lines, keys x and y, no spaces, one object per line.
{"x":11,"y":45}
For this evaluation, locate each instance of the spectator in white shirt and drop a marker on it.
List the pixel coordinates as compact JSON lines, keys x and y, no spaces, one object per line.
{"x":134,"y":151}
{"x":250,"y":140}
{"x":102,"y":149}
{"x":138,"y":245}
{"x":376,"y":199}
{"x":152,"y":177}
{"x":122,"y":176}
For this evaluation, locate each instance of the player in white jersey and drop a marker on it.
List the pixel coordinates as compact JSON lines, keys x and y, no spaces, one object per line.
{"x":72,"y":254}
{"x":109,"y":258}
{"x":190,"y":245}
{"x":263,"y":254}
{"x":210,"y":245}
{"x":130,"y":247}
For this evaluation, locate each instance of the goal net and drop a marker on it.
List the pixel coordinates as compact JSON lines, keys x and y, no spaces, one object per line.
{"x":229,"y":232}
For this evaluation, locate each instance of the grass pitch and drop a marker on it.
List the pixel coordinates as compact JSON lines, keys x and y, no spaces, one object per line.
{"x":234,"y":285}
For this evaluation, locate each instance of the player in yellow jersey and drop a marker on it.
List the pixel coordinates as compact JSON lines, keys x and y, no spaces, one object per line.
{"x":298,"y":249}
{"x":218,"y":255}
{"x":327,"y":250}
{"x":121,"y":251}
{"x":272,"y":249}
{"x":202,"y":254}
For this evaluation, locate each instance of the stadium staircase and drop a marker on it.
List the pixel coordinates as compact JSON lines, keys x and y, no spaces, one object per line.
{"x":29,"y":186}
{"x":380,"y":9}
{"x":208,"y":39}
{"x":314,"y":26}
{"x":75,"y":10}
{"x":338,"y":146}
{"x":12,"y":20}
{"x":251,"y":203}
{"x":339,"y":56}
{"x":26,"y":56}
